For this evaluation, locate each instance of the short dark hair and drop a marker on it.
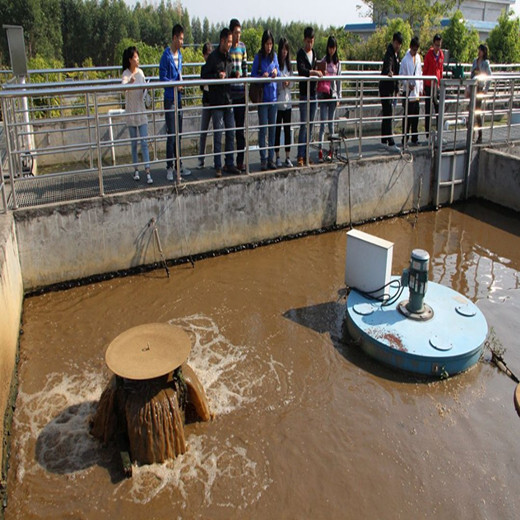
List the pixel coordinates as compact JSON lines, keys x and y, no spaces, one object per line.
{"x":437,"y":38}
{"x":234,"y":23}
{"x":308,"y":32}
{"x":414,"y":42}
{"x":398,"y":37}
{"x":128,"y":54}
{"x":207,"y":48}
{"x":177,"y":30}
{"x":224,"y":34}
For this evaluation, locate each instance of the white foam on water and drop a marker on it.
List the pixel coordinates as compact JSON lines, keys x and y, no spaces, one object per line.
{"x":195,"y":473}
{"x":55,"y":421}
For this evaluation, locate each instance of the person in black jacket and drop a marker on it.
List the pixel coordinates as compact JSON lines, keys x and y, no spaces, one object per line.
{"x":220,"y":66}
{"x":388,"y":89}
{"x":306,"y":64}
{"x":205,"y":117}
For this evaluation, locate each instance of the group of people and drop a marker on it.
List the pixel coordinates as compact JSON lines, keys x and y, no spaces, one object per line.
{"x":224,"y":104}
{"x":413,"y":90}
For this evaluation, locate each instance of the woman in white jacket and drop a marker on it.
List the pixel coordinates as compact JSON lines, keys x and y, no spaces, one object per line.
{"x":413,"y":89}
{"x":136,"y":117}
{"x":283,"y":116}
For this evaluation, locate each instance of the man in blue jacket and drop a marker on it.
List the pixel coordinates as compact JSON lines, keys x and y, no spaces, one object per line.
{"x":170,"y":69}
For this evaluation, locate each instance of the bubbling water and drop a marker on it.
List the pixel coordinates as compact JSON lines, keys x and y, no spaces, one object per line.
{"x":55,"y":423}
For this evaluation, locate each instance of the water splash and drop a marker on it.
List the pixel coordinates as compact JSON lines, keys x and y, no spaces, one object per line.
{"x":52,"y":425}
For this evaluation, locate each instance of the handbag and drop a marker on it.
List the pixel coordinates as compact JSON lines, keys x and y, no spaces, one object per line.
{"x":256,"y":90}
{"x":147,"y":99}
{"x":324,"y":87}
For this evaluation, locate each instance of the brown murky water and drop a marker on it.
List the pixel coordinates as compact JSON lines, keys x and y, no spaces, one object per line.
{"x":306,"y":426}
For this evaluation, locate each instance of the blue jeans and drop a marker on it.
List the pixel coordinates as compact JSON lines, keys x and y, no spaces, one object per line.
{"x":205,"y":118}
{"x":267,"y":122}
{"x":302,"y":136}
{"x":223,"y":118}
{"x":171,"y":145}
{"x":327,"y":112}
{"x":143,"y":134}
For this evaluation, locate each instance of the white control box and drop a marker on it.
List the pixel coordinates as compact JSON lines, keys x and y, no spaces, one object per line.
{"x":369,"y":262}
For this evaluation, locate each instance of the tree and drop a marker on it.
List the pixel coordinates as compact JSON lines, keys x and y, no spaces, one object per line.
{"x":461,"y":42}
{"x":252,"y":39}
{"x":414,"y":11}
{"x":504,"y":40}
{"x":375,"y":47}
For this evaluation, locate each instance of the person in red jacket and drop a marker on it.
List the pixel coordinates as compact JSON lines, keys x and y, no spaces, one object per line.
{"x":433,"y":66}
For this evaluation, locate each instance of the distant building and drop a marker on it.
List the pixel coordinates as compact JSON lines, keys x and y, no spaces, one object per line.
{"x":481,"y":15}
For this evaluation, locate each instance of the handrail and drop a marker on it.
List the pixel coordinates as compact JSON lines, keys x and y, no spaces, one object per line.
{"x":99,"y":134}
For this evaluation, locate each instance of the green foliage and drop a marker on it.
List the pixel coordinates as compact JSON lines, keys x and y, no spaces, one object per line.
{"x":504,"y":40}
{"x":461,"y":42}
{"x":375,"y":47}
{"x":252,"y":38}
{"x":414,"y":11}
{"x":46,"y":103}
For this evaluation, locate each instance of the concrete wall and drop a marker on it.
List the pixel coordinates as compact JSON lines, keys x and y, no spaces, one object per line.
{"x":69,"y":241}
{"x":499,"y":178}
{"x":11,"y":297}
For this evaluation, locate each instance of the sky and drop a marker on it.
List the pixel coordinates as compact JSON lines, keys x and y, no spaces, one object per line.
{"x":331,"y":12}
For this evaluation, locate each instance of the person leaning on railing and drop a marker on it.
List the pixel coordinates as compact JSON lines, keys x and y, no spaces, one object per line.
{"x":205,"y":117}
{"x":135,"y":110}
{"x":238,"y":55}
{"x":265,"y":65}
{"x":388,"y":89}
{"x":412,"y":90}
{"x":433,"y":66}
{"x":306,"y":64}
{"x":479,"y":69}
{"x":170,"y":69}
{"x":220,"y":66}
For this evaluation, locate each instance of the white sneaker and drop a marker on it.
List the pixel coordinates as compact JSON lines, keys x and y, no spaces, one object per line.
{"x":288,"y":163}
{"x":169,"y":174}
{"x":136,"y":175}
{"x":278,"y":162}
{"x":149,"y":179}
{"x":185,"y":172}
{"x":200,"y":166}
{"x":394,"y":148}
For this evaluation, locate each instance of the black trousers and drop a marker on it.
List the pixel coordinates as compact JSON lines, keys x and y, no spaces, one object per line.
{"x":387,"y":122}
{"x":412,"y":122}
{"x":283,"y":116}
{"x":428,"y":105}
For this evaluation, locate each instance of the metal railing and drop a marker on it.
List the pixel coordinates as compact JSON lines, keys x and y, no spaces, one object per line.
{"x":81,"y":129}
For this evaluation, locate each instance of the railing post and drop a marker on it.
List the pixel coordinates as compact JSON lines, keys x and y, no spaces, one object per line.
{"x":9,"y":122}
{"x":405,"y":120}
{"x":246,"y":121}
{"x":360,"y":149}
{"x":440,"y":128}
{"x":510,"y":114}
{"x":308,"y":140}
{"x":177,"y":132}
{"x":87,"y":110}
{"x":469,"y":138}
{"x":98,"y":147}
{"x":492,"y":113}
